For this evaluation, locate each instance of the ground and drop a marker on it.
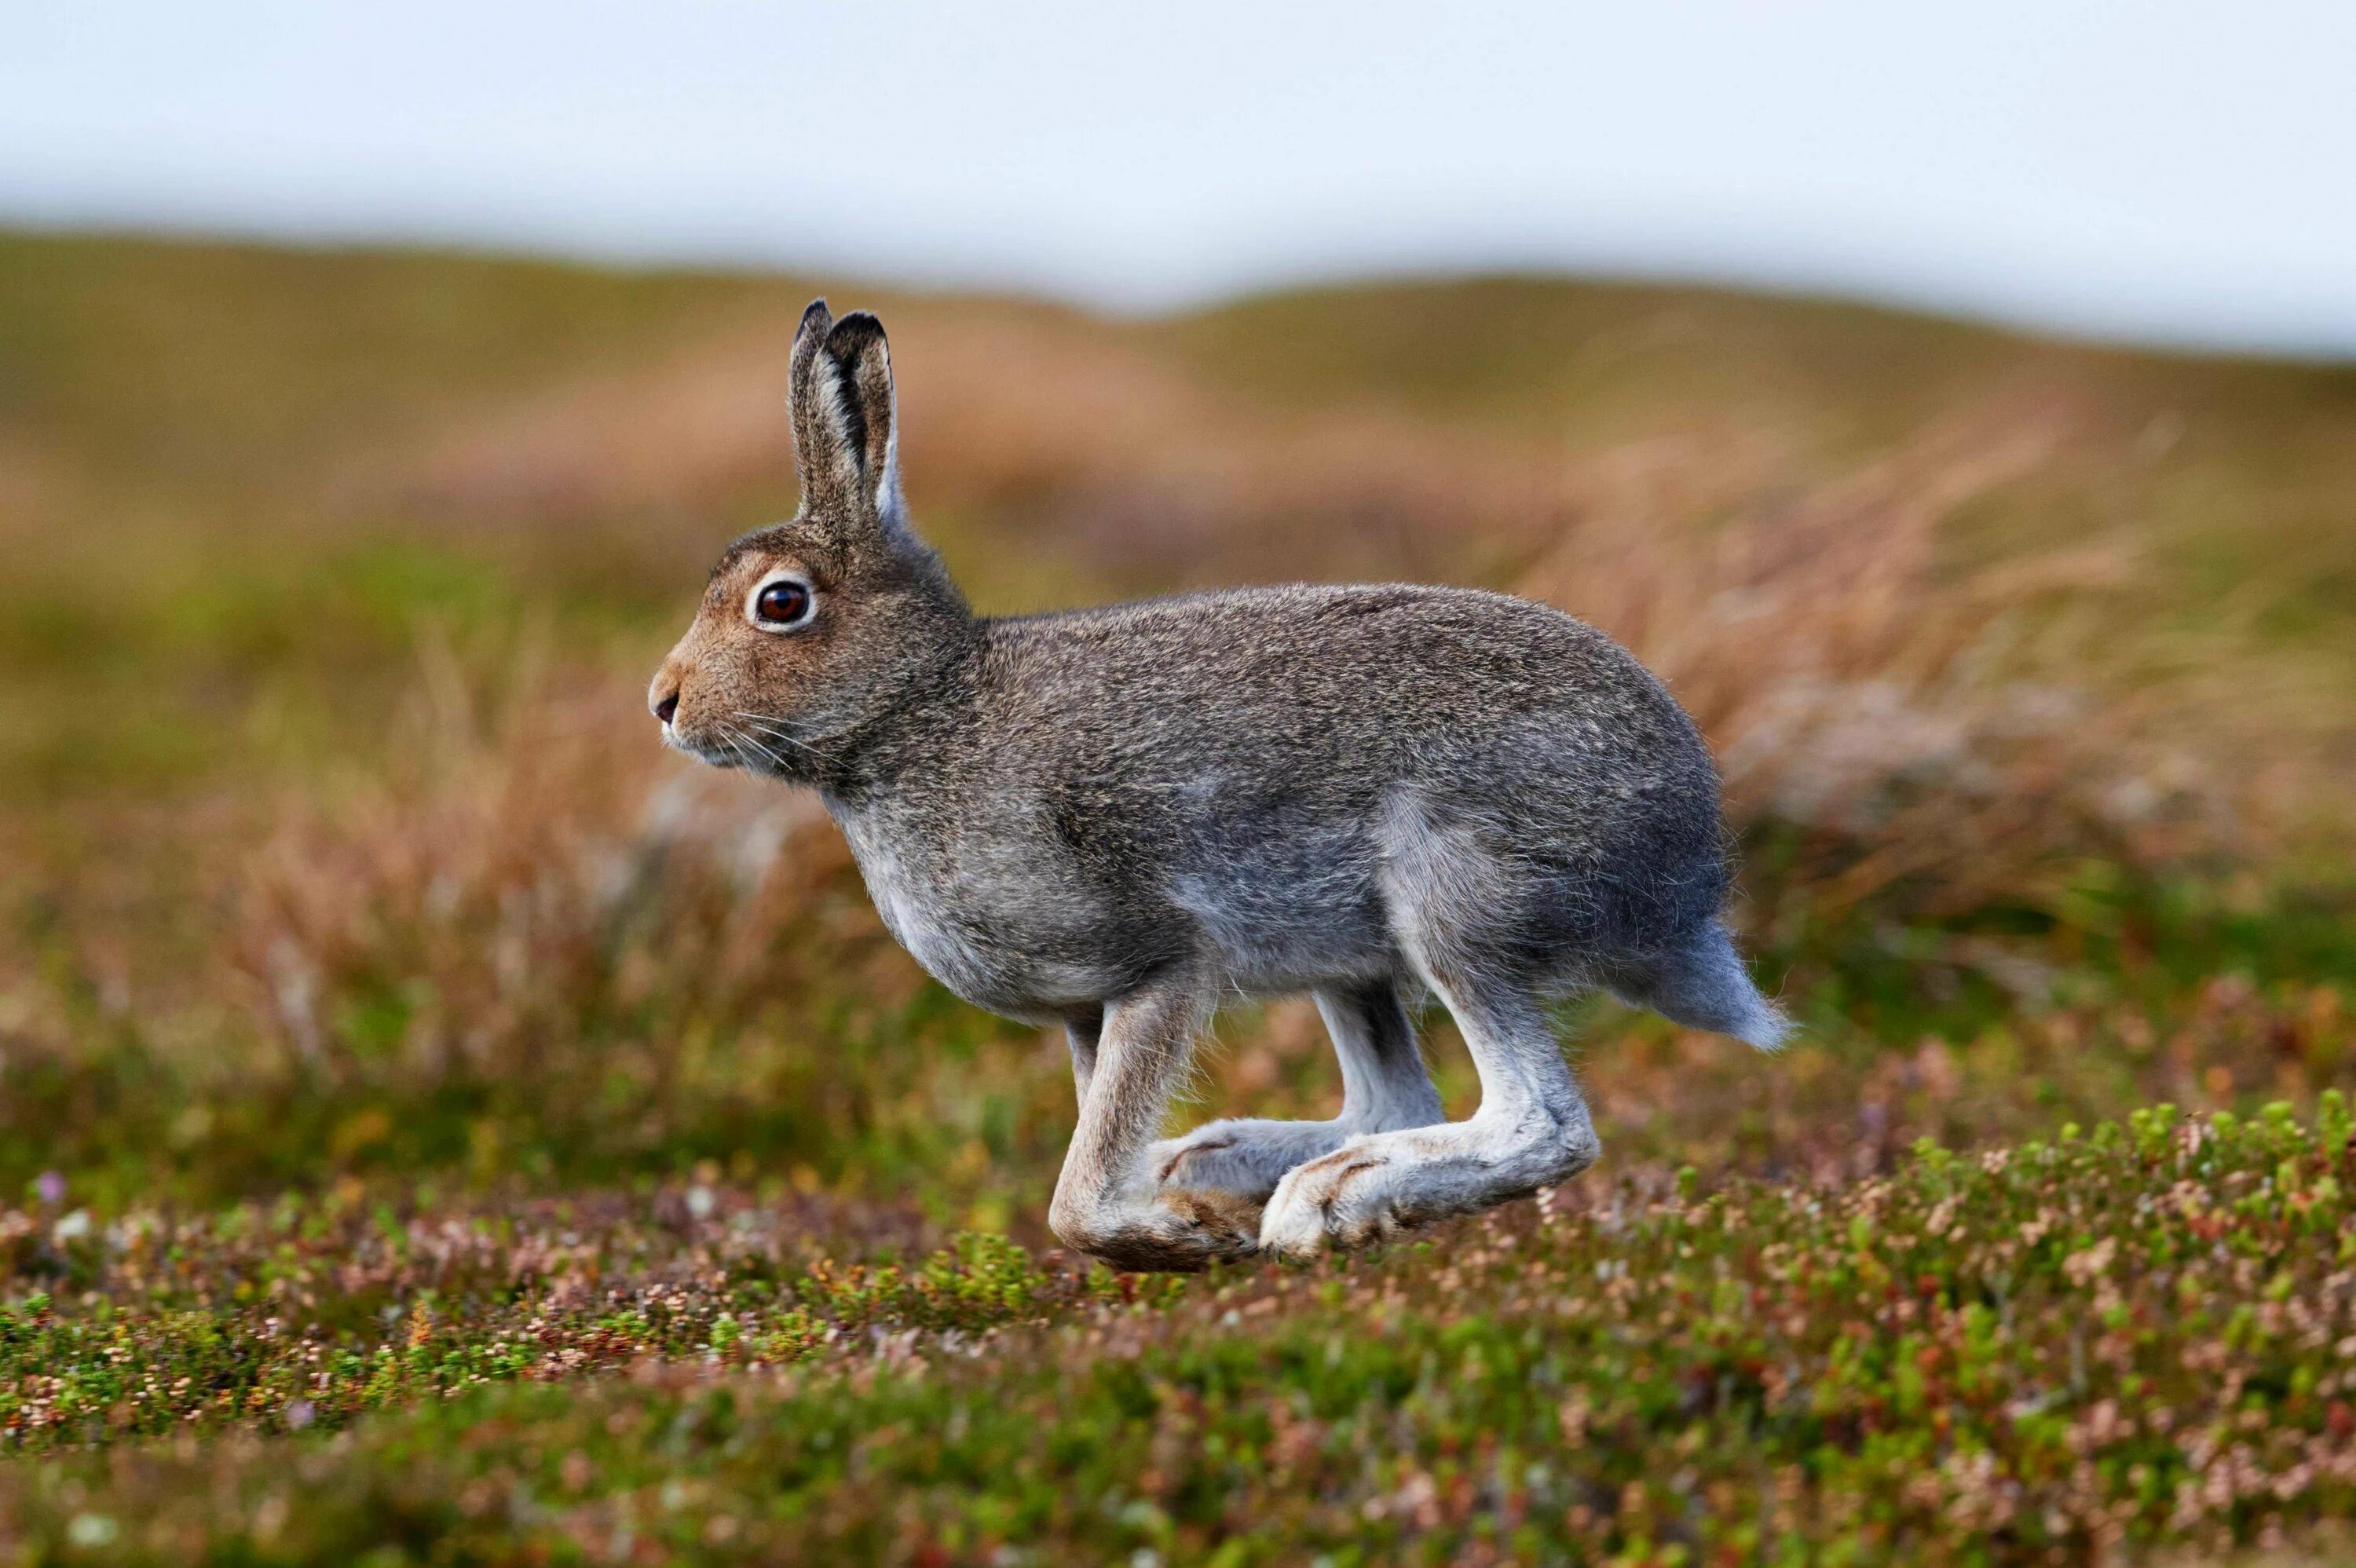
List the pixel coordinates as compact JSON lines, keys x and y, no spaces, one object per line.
{"x":439,"y":1125}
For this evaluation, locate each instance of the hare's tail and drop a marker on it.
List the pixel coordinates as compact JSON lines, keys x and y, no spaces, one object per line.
{"x":1703,"y":985}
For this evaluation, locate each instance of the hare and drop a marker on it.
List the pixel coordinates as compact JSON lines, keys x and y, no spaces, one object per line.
{"x":1109,"y":818}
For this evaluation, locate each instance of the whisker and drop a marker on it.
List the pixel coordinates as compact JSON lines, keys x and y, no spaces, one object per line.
{"x":772,"y":727}
{"x":728,"y":737}
{"x":782,"y":739}
{"x":738,"y":738}
{"x":760,"y":722}
{"x":753,"y":739}
{"x":773,"y":730}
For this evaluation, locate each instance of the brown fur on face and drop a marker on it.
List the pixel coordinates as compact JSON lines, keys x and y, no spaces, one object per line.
{"x":735,"y":693}
{"x":727,"y":673}
{"x":741,"y":689}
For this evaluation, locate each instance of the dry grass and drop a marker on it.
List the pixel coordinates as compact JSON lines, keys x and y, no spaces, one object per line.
{"x":1965,"y":726}
{"x":1963,"y":733}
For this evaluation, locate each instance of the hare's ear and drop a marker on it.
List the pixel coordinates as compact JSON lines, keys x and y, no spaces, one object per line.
{"x":845,"y":441}
{"x":858,"y":346}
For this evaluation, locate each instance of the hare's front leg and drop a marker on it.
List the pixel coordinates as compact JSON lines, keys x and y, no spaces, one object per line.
{"x":1105,"y":1204}
{"x":1385,"y":1086}
{"x":1532,"y":1130}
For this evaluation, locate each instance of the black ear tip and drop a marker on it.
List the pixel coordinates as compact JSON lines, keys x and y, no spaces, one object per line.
{"x":853,"y":333}
{"x":816,"y":317}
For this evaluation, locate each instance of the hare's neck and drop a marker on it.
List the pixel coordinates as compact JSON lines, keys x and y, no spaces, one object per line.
{"x":932,"y":703}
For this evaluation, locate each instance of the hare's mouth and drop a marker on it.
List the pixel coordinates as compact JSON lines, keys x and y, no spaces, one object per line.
{"x":704,"y":747}
{"x":757,"y":746}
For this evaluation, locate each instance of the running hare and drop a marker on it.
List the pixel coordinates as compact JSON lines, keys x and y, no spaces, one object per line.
{"x":1109,"y":818}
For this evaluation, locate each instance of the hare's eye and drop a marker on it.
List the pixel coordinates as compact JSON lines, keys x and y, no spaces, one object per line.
{"x":782,"y":604}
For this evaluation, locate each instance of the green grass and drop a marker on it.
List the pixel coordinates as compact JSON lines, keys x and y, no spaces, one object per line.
{"x":2124,"y":1336}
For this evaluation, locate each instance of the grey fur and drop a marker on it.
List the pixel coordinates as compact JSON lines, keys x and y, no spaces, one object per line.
{"x":1111,"y":818}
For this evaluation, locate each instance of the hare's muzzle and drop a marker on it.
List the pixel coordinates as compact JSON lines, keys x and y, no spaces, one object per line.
{"x":662,"y":693}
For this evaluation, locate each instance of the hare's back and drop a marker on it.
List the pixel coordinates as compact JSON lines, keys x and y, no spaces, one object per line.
{"x":1263,"y":755}
{"x":1362,"y":672}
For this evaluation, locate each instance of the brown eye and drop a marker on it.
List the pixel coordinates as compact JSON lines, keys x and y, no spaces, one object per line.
{"x":784,"y":603}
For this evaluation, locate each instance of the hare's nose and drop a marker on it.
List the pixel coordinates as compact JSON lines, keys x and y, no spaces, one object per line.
{"x":666,"y":706}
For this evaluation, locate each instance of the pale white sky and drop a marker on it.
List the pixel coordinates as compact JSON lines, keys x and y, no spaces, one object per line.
{"x":2172,"y":171}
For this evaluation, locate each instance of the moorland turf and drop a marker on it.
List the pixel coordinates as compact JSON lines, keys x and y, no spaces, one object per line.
{"x":2122,"y":1337}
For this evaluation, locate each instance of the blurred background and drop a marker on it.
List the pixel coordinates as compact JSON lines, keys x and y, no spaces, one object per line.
{"x":2171,"y":172}
{"x":1954,"y":404}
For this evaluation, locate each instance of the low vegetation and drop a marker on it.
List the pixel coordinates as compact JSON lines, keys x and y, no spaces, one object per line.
{"x":2122,"y":1337}
{"x":437,"y":1125}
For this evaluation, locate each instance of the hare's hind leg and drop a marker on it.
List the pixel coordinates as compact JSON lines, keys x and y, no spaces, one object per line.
{"x":1453,"y":913}
{"x":1532,"y":1130}
{"x":1385,"y":1085}
{"x":1104,"y":1202}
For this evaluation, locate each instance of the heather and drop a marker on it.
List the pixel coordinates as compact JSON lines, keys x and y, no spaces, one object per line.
{"x":435,"y":1122}
{"x":2078,"y":1347}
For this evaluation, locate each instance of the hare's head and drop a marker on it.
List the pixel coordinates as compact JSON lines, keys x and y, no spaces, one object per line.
{"x":812,"y":630}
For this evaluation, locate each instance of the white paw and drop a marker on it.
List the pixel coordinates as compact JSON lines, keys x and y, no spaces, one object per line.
{"x":1346,"y":1198}
{"x":1379,"y":1184}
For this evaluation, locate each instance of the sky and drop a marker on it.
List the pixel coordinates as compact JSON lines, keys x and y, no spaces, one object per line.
{"x":2157,"y":171}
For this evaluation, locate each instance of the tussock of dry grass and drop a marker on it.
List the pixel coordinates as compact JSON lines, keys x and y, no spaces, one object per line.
{"x":1855,"y":687}
{"x":559,"y":867}
{"x":1923,"y":728}
{"x":1812,"y":618}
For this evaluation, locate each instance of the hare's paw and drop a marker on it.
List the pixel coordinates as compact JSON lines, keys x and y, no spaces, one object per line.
{"x":1176,"y":1231}
{"x":1246,"y":1159}
{"x":1343,"y":1199}
{"x":1378,"y":1184}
